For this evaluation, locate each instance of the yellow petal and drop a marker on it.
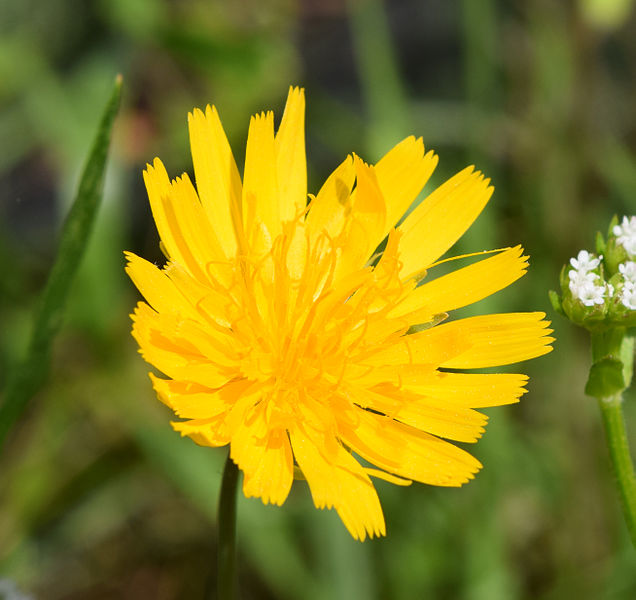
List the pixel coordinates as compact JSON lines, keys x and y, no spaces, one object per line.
{"x":431,"y":415}
{"x":205,"y":432}
{"x":409,"y":453}
{"x":441,"y":219}
{"x":217,"y":177}
{"x":249,"y":397}
{"x":328,"y":210}
{"x":402,"y":173}
{"x":369,"y":206}
{"x":158,"y":290}
{"x":192,"y":225}
{"x":471,"y":390}
{"x":191,"y":400}
{"x":264,"y":455}
{"x":183,"y":227}
{"x":296,"y":258}
{"x":211,"y":305}
{"x":499,"y":339}
{"x":387,"y":477}
{"x":364,"y":227}
{"x":463,"y":287}
{"x":291,"y":163}
{"x":159,"y":189}
{"x":377,"y":372}
{"x":458,"y":424}
{"x":430,"y":347}
{"x":181,"y":350}
{"x":159,"y":350}
{"x":261,"y":204}
{"x":340,"y":483}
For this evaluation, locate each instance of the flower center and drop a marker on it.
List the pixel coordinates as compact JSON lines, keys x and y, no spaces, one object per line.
{"x":301,"y":324}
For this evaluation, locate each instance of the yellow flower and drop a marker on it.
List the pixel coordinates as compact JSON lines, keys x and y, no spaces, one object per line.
{"x":281,"y":333}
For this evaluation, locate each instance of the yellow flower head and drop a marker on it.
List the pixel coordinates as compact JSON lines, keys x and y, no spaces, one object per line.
{"x":281,"y":333}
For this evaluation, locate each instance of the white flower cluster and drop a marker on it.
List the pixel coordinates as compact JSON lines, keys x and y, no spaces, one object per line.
{"x":583,"y":280}
{"x":626,"y":235}
{"x":586,"y":284}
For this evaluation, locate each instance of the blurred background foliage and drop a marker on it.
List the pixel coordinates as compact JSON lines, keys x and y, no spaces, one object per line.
{"x":99,"y":498}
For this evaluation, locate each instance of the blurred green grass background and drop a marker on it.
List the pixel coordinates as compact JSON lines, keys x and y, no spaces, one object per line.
{"x":99,"y":498}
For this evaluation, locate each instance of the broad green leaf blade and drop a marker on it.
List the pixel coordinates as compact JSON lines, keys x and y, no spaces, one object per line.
{"x":30,"y":373}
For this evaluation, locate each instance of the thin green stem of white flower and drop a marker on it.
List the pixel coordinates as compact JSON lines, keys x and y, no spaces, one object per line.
{"x":621,"y":459}
{"x":226,"y":563}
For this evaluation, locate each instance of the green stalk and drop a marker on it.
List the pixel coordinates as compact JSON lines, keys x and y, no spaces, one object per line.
{"x":226,"y":574}
{"x":30,"y":373}
{"x":621,"y":459}
{"x":610,"y":375}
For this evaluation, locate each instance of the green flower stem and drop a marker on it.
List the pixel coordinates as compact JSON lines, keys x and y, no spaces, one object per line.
{"x":621,"y":459}
{"x":226,"y":574}
{"x":607,"y":343}
{"x":610,"y":375}
{"x":29,"y":374}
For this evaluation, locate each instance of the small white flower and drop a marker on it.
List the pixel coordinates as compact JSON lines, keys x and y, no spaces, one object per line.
{"x":627,"y":226}
{"x":628,"y":296}
{"x":579,"y":279}
{"x":626,"y":234}
{"x":628,"y":271}
{"x":585,"y":261}
{"x":589,"y":293}
{"x":582,"y":276}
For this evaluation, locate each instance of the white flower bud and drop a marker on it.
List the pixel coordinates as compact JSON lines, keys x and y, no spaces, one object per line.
{"x":628,"y":271}
{"x":585,"y":261}
{"x":589,"y":293}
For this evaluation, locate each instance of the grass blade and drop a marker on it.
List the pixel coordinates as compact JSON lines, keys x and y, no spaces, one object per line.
{"x":29,"y":374}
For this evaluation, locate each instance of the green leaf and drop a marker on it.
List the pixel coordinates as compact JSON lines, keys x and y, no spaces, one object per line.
{"x":606,"y":378}
{"x":26,"y":379}
{"x":613,"y":223}
{"x":556,"y":302}
{"x":600,"y":243}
